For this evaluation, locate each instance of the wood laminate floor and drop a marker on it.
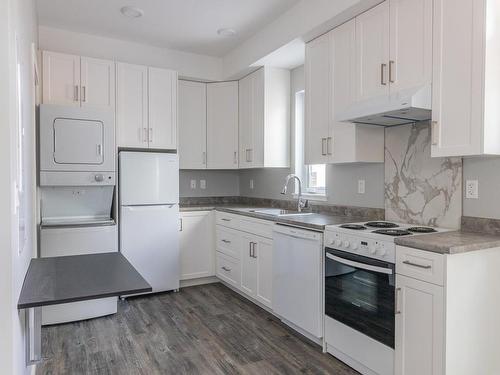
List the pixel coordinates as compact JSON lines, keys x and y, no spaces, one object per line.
{"x":206,"y":329}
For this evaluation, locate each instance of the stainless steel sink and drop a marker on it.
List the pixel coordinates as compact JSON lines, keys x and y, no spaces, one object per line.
{"x":279,"y":212}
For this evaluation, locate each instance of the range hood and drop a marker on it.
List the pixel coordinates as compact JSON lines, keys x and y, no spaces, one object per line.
{"x":403,"y":107}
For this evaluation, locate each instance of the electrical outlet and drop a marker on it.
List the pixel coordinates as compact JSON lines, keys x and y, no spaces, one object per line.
{"x":203,"y":184}
{"x":193,"y":184}
{"x":251,"y":184}
{"x":361,"y":186}
{"x":472,"y":189}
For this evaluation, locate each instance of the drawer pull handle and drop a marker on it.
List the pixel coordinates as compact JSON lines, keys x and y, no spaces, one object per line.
{"x":426,"y":266}
{"x":224,"y":219}
{"x":226,"y":269}
{"x":226,"y":241}
{"x":398,"y":310}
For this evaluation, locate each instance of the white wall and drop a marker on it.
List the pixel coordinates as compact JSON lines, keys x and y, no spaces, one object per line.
{"x":487,"y":171}
{"x":189,"y":65}
{"x":17,"y":20}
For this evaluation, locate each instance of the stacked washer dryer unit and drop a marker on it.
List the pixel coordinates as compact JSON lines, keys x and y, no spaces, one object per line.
{"x":77,"y":162}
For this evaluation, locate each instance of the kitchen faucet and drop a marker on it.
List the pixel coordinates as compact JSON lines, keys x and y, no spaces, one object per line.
{"x":301,"y":202}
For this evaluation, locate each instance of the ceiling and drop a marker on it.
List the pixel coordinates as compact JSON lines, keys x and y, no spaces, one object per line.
{"x":186,"y":25}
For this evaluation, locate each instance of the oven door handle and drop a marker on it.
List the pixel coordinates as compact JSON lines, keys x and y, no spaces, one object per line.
{"x":367,"y":267}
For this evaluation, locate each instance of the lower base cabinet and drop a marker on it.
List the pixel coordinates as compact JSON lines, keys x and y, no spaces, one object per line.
{"x":197,"y":244}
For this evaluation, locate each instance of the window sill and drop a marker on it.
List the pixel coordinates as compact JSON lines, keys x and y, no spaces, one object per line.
{"x":312,"y":197}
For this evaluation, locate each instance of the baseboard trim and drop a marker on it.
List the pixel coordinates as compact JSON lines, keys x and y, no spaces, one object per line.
{"x":199,"y":281}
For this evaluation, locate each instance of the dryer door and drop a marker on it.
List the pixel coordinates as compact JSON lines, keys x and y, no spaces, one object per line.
{"x":78,"y":141}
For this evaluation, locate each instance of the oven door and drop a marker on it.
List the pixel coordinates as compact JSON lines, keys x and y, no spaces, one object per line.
{"x":359,"y":292}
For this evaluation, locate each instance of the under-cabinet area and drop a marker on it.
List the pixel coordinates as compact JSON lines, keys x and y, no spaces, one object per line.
{"x":250,"y":187}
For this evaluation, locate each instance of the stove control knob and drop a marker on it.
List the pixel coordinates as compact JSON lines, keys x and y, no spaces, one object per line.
{"x":346,"y":244}
{"x":373,"y":250}
{"x":354,"y":246}
{"x":382,"y":251}
{"x":331,"y":242}
{"x":337,"y":242}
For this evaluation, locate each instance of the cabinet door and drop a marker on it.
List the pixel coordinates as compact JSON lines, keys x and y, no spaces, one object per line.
{"x":258,"y":118}
{"x":196,"y":245}
{"x":97,"y":83}
{"x":61,"y":78}
{"x":457,"y":77}
{"x":192,"y":125}
{"x":245,"y":121}
{"x":410,"y":63}
{"x":419,"y":327}
{"x":372,"y":53}
{"x":132,"y":105}
{"x":248,"y":264}
{"x":162,"y":114}
{"x":222,"y":125}
{"x":317,"y":99}
{"x":264,"y":253}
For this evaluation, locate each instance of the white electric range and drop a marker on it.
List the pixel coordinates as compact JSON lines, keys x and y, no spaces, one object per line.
{"x":360,"y":292}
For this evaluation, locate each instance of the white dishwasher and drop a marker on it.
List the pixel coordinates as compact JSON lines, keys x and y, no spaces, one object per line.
{"x":297,"y":278}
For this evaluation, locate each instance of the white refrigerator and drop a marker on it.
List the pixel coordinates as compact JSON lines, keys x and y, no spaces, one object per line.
{"x":149,"y":216}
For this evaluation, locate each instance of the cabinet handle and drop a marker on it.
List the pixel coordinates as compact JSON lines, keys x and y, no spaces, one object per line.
{"x":224,"y":219}
{"x":424,"y":266}
{"x":251,"y":154}
{"x":391,"y":64}
{"x":204,"y":157}
{"x":250,"y":249}
{"x":235,"y":158}
{"x":323,"y":141}
{"x":84,"y":94}
{"x":253,"y":250}
{"x":398,"y":310}
{"x":247,"y":155}
{"x":145,"y":135}
{"x":226,"y":241}
{"x":434,"y":133}
{"x":76,"y":93}
{"x":150,"y":135}
{"x":382,"y":68}
{"x":180,"y":222}
{"x":226,"y":269}
{"x":328,"y":146}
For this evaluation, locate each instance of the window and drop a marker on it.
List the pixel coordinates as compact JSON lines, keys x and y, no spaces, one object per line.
{"x":313,"y":176}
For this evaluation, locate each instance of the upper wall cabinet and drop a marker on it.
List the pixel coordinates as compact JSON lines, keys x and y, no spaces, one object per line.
{"x":208,"y":125}
{"x":466,"y":80}
{"x":222,"y":125}
{"x":329,"y":71}
{"x":264,"y":113}
{"x":78,"y":81}
{"x":146,"y":107}
{"x":192,"y":125}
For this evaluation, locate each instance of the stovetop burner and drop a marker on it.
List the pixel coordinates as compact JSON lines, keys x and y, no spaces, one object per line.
{"x":421,"y":230}
{"x":381,"y":224}
{"x":392,"y":232}
{"x":353,"y":226}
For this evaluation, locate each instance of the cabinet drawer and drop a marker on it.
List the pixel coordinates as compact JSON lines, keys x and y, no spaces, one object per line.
{"x":227,"y":220}
{"x":420,"y":264}
{"x":228,"y":269}
{"x":263,"y":228}
{"x":227,"y":241}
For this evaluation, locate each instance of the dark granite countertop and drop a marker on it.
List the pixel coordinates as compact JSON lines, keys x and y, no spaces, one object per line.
{"x":315,"y":221}
{"x":56,"y":280}
{"x":450,"y":242}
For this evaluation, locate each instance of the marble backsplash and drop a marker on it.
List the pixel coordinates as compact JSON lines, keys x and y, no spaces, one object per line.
{"x":420,"y":189}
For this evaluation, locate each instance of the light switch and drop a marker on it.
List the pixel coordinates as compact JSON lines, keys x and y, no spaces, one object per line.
{"x":361,"y":186}
{"x":203,"y":184}
{"x":472,"y":189}
{"x":193,"y":184}
{"x":251,"y":184}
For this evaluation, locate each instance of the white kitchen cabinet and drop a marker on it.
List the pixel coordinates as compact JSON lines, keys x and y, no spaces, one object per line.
{"x":97,"y":83}
{"x":222,"y":125}
{"x":317,"y":100}
{"x":162,"y":109}
{"x":196,"y":241}
{"x":146,"y":107}
{"x":264,"y":119}
{"x":248,"y":264}
{"x":192,"y":125}
{"x":132,"y":105}
{"x":78,"y":81}
{"x":419,"y":327}
{"x":61,"y":78}
{"x":466,"y":83}
{"x":264,"y":253}
{"x":372,"y":53}
{"x":330,"y":71}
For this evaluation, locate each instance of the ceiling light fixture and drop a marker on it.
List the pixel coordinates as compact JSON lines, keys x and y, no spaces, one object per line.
{"x":132,"y":12}
{"x":226,"y":32}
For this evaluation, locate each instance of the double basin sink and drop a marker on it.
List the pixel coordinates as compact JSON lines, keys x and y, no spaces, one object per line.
{"x":276,"y":212}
